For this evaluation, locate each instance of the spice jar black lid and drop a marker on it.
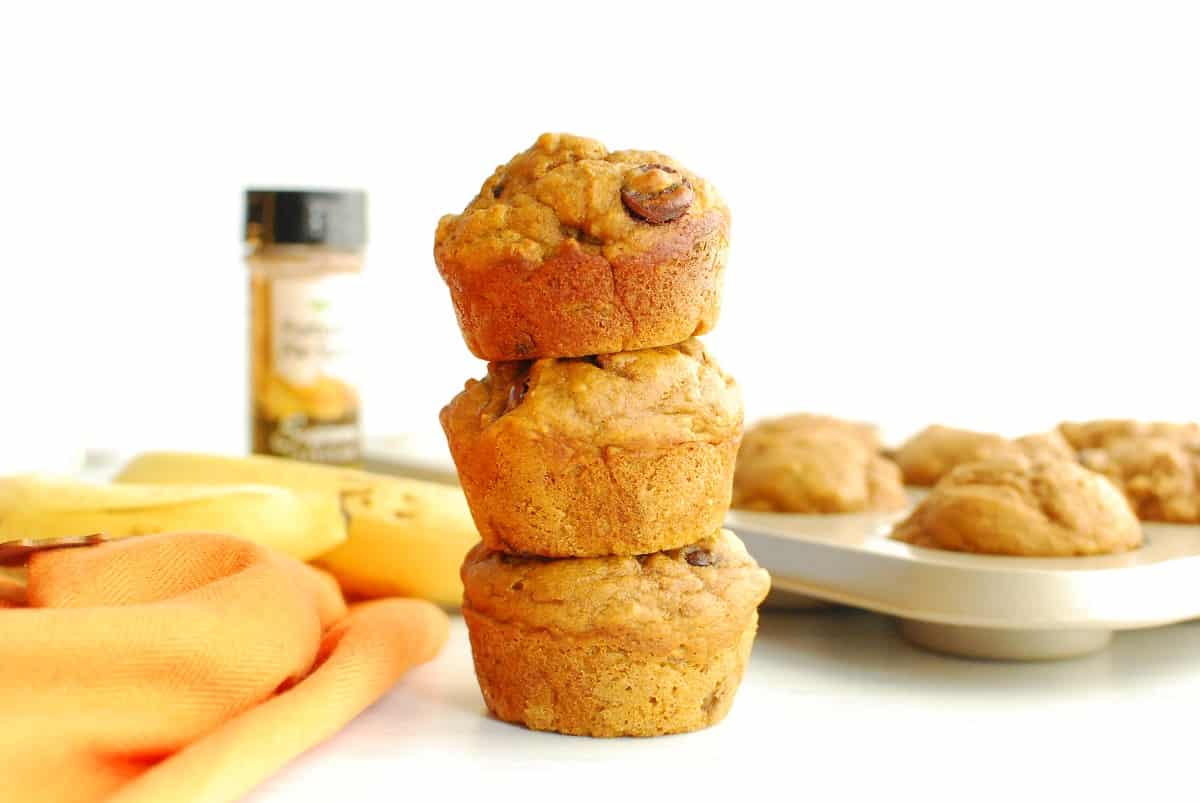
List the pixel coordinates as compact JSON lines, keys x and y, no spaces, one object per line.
{"x":335,"y":218}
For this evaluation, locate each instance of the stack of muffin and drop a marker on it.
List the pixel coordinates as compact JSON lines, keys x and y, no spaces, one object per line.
{"x":597,"y":454}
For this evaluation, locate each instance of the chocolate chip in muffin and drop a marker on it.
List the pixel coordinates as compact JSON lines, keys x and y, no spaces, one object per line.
{"x":516,"y":395}
{"x":657,"y":194}
{"x":567,"y":249}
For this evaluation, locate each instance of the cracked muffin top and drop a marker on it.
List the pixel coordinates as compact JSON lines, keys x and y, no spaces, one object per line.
{"x":1018,"y":506}
{"x":665,"y":600}
{"x":1160,"y":476}
{"x":568,"y":187}
{"x":648,"y":398}
{"x":815,"y":464}
{"x":570,"y":250}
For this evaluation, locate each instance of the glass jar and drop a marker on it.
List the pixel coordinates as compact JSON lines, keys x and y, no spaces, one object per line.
{"x":304,"y":251}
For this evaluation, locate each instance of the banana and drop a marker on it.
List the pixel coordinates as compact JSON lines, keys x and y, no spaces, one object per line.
{"x":303,"y":524}
{"x":405,"y":537}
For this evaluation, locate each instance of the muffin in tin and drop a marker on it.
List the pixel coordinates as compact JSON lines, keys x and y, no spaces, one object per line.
{"x":937,"y":450}
{"x":613,"y":646}
{"x":1023,"y":507}
{"x":1045,"y":446}
{"x":815,"y":464}
{"x":803,"y":424}
{"x":1100,"y":433}
{"x":570,"y":250}
{"x":1159,"y":475}
{"x":618,"y":454}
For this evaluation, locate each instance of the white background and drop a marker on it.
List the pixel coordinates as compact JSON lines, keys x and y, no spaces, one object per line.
{"x":982,"y":213}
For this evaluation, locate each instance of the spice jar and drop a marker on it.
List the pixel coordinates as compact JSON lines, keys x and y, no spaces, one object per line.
{"x":304,"y":250}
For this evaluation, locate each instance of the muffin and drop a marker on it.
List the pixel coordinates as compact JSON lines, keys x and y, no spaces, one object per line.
{"x":935,"y":451}
{"x":618,"y":454}
{"x":1160,"y":476}
{"x":613,"y":646}
{"x":803,"y":423}
{"x":814,"y":464}
{"x":1046,"y":446}
{"x":1098,"y":434}
{"x":570,"y":250}
{"x":1018,"y":506}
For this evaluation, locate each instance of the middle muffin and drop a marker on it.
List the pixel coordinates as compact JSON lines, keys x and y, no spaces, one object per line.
{"x":617,"y":454}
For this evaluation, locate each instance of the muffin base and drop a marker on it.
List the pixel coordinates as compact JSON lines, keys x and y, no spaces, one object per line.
{"x":559,"y":499}
{"x":585,"y":686}
{"x":577,"y":302}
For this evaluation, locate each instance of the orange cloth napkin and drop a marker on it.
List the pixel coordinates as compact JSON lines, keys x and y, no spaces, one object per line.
{"x":184,"y":668}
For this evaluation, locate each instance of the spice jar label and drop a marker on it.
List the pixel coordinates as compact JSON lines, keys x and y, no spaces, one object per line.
{"x":299,"y":438}
{"x":311,"y":319}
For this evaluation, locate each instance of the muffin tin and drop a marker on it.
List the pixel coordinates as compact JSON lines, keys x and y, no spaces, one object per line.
{"x":979,"y":606}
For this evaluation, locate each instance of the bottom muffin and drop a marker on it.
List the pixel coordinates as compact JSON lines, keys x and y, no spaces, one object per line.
{"x":613,"y":646}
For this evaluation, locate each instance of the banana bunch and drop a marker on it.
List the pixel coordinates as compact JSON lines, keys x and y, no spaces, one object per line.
{"x":302,"y":524}
{"x":404,"y":537}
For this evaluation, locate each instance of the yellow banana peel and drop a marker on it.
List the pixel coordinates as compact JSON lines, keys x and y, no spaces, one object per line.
{"x":301,"y":524}
{"x":405,"y":537}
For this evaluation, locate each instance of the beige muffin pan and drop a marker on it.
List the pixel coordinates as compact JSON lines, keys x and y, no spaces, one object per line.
{"x":979,"y":606}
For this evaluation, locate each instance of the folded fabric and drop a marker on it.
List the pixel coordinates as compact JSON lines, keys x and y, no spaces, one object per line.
{"x":12,"y":592}
{"x":184,"y":668}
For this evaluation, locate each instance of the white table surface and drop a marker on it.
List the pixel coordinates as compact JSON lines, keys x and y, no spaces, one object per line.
{"x":834,"y":706}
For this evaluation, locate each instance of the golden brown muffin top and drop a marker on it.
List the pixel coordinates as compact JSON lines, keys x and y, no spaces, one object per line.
{"x":815,"y":464}
{"x":1046,"y":446}
{"x":936,"y":450}
{"x":1018,"y":506}
{"x":648,"y":398}
{"x":1098,"y":434}
{"x":569,"y":187}
{"x":682,"y":598}
{"x":1160,"y":476}
{"x":803,"y":424}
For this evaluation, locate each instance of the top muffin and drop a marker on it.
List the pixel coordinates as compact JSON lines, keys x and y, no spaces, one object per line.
{"x":570,"y":250}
